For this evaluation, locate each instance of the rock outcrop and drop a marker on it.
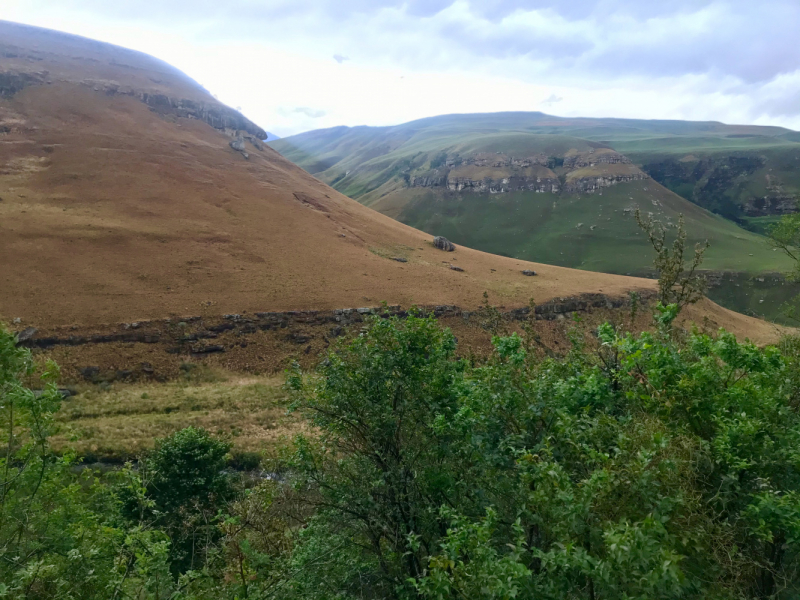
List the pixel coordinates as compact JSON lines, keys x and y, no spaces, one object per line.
{"x":218,"y":116}
{"x":12,"y":82}
{"x":160,"y":349}
{"x":594,"y":157}
{"x":493,"y":186}
{"x":505,"y":185}
{"x":442,"y":243}
{"x":215,"y":114}
{"x":485,"y":159}
{"x":500,"y":173}
{"x":593,"y":184}
{"x":770,"y":205}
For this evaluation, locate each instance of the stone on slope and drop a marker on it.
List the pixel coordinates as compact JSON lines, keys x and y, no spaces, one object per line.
{"x":442,"y":243}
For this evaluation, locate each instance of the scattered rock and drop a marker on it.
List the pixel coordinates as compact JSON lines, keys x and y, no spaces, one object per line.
{"x":529,"y":273}
{"x":455,"y":268}
{"x":442,"y":243}
{"x":399,"y":259}
{"x":17,"y":321}
{"x":336,"y":331}
{"x":26,"y":334}
{"x":298,"y":338}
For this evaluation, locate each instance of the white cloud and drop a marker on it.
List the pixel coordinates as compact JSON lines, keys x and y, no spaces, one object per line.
{"x":552,"y":99}
{"x":310,"y":112}
{"x":396,"y":60}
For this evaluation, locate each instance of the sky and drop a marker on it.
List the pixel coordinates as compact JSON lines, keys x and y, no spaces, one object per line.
{"x":296,"y":65}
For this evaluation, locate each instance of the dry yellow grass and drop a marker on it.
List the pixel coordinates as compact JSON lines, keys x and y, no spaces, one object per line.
{"x":121,"y":421}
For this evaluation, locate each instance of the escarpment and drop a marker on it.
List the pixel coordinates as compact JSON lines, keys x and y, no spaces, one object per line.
{"x":573,"y":173}
{"x":594,"y":183}
{"x":770,"y":205}
{"x":593,"y":157}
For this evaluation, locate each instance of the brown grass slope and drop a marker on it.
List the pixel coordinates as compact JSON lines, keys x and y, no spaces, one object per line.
{"x":115,"y":210}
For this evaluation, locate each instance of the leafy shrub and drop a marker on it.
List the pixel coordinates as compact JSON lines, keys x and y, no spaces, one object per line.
{"x":652,"y":466}
{"x":662,"y":465}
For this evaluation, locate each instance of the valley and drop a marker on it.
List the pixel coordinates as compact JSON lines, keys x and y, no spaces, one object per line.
{"x":563,"y":191}
{"x":425,"y":362}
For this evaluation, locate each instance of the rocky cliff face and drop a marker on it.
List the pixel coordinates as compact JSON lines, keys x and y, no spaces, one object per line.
{"x":505,"y":173}
{"x":594,"y":157}
{"x":770,"y":205}
{"x":485,"y":159}
{"x":733,"y":184}
{"x":492,"y":186}
{"x":593,"y":184}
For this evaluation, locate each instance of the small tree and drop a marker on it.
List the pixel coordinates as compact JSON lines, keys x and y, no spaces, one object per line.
{"x":677,"y":284}
{"x":785,"y":236}
{"x":185,"y":487}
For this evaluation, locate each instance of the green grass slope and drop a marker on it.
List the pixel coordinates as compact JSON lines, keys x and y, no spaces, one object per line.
{"x":703,"y":165}
{"x":595,"y":232}
{"x":374,"y":165}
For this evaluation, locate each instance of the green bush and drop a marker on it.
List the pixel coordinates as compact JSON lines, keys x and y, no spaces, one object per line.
{"x":663,"y":465}
{"x":652,"y":466}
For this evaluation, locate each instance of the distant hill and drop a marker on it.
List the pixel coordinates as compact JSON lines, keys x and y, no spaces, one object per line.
{"x":559,"y":190}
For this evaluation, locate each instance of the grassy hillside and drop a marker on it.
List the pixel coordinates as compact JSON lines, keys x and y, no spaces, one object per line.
{"x":592,"y":231}
{"x":589,"y":231}
{"x":414,"y":173}
{"x":138,"y":208}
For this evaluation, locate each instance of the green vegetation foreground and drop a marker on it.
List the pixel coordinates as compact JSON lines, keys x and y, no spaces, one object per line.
{"x":664,"y":465}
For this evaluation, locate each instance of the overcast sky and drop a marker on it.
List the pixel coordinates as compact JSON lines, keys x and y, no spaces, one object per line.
{"x":295,"y":65}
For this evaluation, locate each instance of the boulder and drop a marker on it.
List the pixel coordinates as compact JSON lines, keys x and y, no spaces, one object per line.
{"x":238,"y":144}
{"x":455,"y":268}
{"x":442,"y":243}
{"x":26,"y":334}
{"x":529,"y":273}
